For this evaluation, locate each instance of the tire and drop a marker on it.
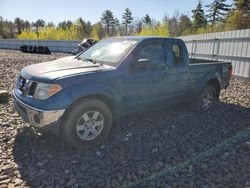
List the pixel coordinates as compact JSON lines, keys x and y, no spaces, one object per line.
{"x":87,"y":124}
{"x":206,"y":100}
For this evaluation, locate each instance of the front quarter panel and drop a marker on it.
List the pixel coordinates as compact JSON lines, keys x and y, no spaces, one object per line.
{"x":104,"y":83}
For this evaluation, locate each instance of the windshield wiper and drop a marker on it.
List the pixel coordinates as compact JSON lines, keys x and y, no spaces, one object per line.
{"x":93,"y":61}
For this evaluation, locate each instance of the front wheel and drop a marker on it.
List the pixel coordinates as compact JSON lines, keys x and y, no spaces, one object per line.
{"x":87,"y":124}
{"x":206,"y":100}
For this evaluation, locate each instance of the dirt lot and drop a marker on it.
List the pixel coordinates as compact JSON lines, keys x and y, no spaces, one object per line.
{"x":172,"y":147}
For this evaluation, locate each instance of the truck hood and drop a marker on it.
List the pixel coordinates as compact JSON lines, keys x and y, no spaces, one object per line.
{"x":62,"y":67}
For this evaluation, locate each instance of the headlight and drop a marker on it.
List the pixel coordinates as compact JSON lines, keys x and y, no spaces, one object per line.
{"x":43,"y":90}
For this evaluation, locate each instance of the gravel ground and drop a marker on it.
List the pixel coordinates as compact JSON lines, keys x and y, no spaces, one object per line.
{"x":172,"y":147}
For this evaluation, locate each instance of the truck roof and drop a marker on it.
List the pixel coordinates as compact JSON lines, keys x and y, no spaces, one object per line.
{"x":145,"y":37}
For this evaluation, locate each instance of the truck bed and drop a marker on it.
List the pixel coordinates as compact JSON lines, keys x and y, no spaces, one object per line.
{"x":200,"y":68}
{"x":194,"y":61}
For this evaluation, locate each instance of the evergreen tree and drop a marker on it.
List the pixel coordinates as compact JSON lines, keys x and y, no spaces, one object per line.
{"x":199,"y":19}
{"x":65,"y":24}
{"x":18,"y":23}
{"x":127,"y":19}
{"x":147,"y":20}
{"x":50,"y":24}
{"x":114,"y":27}
{"x":217,"y":11}
{"x":26,"y":25}
{"x":39,"y":23}
{"x":108,"y":21}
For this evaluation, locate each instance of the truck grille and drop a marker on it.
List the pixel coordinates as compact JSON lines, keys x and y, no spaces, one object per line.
{"x":26,"y":87}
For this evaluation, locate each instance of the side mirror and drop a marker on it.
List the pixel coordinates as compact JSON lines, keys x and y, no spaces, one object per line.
{"x":142,"y":63}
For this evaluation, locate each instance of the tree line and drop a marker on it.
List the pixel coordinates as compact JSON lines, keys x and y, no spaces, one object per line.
{"x":219,"y":16}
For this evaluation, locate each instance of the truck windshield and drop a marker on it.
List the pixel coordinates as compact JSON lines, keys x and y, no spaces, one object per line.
{"x":109,"y":51}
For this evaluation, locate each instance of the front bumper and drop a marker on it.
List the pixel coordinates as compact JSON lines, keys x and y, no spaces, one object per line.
{"x":36,"y":117}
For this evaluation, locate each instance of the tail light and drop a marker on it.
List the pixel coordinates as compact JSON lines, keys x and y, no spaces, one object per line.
{"x":230,"y":71}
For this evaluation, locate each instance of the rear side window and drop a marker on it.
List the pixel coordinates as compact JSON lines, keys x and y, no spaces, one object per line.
{"x":176,"y":53}
{"x":152,"y":51}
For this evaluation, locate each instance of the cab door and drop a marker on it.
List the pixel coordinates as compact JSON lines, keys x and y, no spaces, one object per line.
{"x":145,"y":86}
{"x":164,"y":81}
{"x":177,"y":73}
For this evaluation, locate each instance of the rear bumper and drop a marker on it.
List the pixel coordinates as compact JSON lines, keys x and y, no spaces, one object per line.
{"x":36,"y":117}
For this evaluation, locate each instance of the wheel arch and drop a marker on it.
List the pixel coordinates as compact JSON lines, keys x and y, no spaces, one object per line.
{"x":216,"y":84}
{"x":112,"y":104}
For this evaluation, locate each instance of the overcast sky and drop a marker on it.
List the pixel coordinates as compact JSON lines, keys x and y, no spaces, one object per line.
{"x":58,"y":10}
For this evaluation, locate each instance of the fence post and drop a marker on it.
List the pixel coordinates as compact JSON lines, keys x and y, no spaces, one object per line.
{"x":193,"y":49}
{"x":215,"y":51}
{"x":218,"y":49}
{"x":246,"y":56}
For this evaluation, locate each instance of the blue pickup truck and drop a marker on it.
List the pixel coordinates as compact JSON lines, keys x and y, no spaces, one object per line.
{"x":83,"y":96}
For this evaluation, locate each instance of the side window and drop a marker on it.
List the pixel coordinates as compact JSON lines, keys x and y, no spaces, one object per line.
{"x":176,"y":52}
{"x":152,"y":51}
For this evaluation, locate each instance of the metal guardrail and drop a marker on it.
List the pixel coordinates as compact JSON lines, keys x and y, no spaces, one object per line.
{"x":231,"y":46}
{"x":54,"y":45}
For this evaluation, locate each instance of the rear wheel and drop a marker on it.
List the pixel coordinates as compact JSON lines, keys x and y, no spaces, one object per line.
{"x":87,"y":124}
{"x":206,"y":100}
